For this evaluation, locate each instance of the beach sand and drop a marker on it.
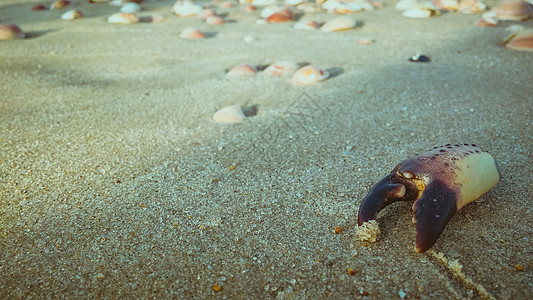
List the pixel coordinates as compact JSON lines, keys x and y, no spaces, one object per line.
{"x":115,"y":182}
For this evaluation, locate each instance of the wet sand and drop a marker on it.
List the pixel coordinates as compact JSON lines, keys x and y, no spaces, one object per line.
{"x":116,"y":183}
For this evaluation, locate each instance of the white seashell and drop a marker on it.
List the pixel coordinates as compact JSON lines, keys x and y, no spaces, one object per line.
{"x":306,"y":24}
{"x":123,"y":18}
{"x":258,"y":2}
{"x":71,"y":15}
{"x":334,"y":6}
{"x":229,"y":114}
{"x":281,"y":68}
{"x":417,"y":12}
{"x":186,"y":8}
{"x":294,"y":2}
{"x":338,"y":24}
{"x":406,"y":4}
{"x":130,"y":7}
{"x":309,"y":75}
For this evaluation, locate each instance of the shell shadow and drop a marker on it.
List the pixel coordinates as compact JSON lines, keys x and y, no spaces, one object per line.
{"x":250,"y":110}
{"x":334,"y":72}
{"x":35,"y":34}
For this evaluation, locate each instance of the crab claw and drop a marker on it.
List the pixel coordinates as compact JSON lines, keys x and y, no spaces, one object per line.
{"x":441,"y":180}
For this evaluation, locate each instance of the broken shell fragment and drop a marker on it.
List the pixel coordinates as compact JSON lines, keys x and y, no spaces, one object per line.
{"x":71,"y":15}
{"x":513,"y":10}
{"x":281,"y":68}
{"x":123,"y":18}
{"x":522,"y":41}
{"x":338,"y":24}
{"x":10,"y":32}
{"x":309,"y":75}
{"x":38,"y":7}
{"x":241,"y":70}
{"x":229,"y":114}
{"x":192,"y":34}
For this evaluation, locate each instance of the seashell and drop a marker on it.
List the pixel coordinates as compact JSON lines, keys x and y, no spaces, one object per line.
{"x":71,"y":15}
{"x":10,"y":32}
{"x":309,"y":75}
{"x":206,"y":13}
{"x":306,"y":24}
{"x":258,"y":2}
{"x":215,"y":20}
{"x":471,"y":6}
{"x":60,"y":4}
{"x":450,"y":5}
{"x":522,"y":41}
{"x":241,"y":70}
{"x":284,"y":15}
{"x":123,"y":18}
{"x":37,"y":7}
{"x":130,"y":7}
{"x":488,"y":19}
{"x":334,"y":6}
{"x":250,"y":8}
{"x":281,"y":68}
{"x":513,"y":10}
{"x":267,"y":11}
{"x":186,"y":8}
{"x":229,"y":114}
{"x":338,"y":24}
{"x":192,"y":34}
{"x":294,"y":2}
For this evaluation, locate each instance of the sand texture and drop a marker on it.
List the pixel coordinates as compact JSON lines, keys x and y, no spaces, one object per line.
{"x":116,"y":183}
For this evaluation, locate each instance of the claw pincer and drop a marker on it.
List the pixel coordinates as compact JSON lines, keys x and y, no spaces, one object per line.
{"x":441,"y":180}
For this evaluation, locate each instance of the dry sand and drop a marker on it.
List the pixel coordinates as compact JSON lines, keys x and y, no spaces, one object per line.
{"x":116,"y":183}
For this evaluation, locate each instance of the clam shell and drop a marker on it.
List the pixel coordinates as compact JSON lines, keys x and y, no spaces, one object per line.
{"x":60,"y":4}
{"x":338,"y":24}
{"x":241,"y":70}
{"x":523,"y":41}
{"x":513,"y":10}
{"x":334,"y":6}
{"x":471,"y":6}
{"x":281,"y":68}
{"x":306,"y":24}
{"x":284,"y":15}
{"x":37,"y":7}
{"x":206,"y":13}
{"x":71,"y":15}
{"x":192,"y":34}
{"x":417,"y":12}
{"x":229,"y":114}
{"x":406,"y":4}
{"x":123,"y":18}
{"x":309,"y":75}
{"x":130,"y":7}
{"x":10,"y":32}
{"x":186,"y":8}
{"x":267,"y":11}
{"x":215,"y":20}
{"x":450,"y":5}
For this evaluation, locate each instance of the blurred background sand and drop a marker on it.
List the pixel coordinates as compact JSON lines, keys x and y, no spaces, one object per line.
{"x":116,"y":183}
